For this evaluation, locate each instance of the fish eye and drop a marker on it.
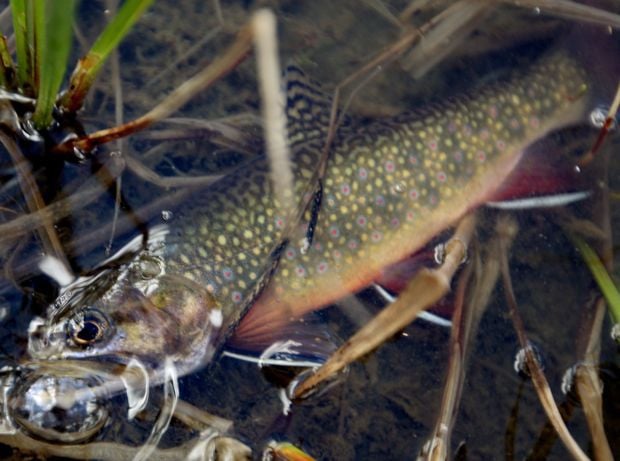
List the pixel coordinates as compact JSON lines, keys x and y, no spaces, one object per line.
{"x":87,"y":327}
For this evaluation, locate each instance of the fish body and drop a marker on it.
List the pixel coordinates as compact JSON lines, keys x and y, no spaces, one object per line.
{"x":390,"y":186}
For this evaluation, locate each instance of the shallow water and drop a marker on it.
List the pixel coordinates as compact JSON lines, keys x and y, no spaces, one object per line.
{"x":385,"y":407}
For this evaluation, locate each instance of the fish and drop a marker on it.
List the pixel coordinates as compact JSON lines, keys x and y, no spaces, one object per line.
{"x":232,"y":270}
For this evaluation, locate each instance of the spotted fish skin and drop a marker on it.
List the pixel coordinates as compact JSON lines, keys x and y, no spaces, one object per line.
{"x":390,"y":187}
{"x":225,"y":276}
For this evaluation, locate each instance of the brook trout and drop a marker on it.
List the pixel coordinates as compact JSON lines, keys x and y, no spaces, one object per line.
{"x":227,"y":273}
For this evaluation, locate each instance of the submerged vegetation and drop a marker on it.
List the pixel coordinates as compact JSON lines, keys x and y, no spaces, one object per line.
{"x":69,"y":192}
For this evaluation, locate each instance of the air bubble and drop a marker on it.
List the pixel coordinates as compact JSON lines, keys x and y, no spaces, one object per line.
{"x":615,"y":333}
{"x":167,"y":215}
{"x":520,"y":363}
{"x":598,"y":117}
{"x":398,"y":188}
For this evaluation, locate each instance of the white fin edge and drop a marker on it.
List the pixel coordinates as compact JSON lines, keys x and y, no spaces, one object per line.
{"x":544,"y":201}
{"x":424,"y":315}
{"x":261,"y":362}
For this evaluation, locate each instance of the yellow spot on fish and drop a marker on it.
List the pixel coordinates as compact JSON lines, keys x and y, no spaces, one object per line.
{"x":221,"y":239}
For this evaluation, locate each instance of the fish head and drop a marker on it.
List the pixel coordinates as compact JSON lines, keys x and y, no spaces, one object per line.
{"x":170,"y":317}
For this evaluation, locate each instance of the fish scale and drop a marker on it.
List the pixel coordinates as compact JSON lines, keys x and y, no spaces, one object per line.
{"x":390,"y":186}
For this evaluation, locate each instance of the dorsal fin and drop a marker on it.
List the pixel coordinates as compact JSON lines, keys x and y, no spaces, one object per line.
{"x":308,"y":108}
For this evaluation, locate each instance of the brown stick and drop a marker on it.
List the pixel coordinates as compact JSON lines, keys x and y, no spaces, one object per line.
{"x":507,"y":227}
{"x":468,"y":311}
{"x":47,"y":232}
{"x":221,"y":66}
{"x":426,"y":288}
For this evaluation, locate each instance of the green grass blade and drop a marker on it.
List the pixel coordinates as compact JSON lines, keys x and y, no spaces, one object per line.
{"x":21,"y":11}
{"x":7,"y":70}
{"x":89,"y":66}
{"x":53,"y":22}
{"x":604,"y":281}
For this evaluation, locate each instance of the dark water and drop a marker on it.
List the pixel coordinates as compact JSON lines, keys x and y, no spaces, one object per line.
{"x":385,"y":407}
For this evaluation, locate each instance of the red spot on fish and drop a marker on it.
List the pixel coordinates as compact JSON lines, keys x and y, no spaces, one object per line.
{"x":361,"y":220}
{"x":410,"y":216}
{"x":501,"y":145}
{"x":334,"y":232}
{"x":279,"y":223}
{"x":441,"y":176}
{"x":394,"y":222}
{"x":413,"y":159}
{"x":318,"y":246}
{"x":379,"y":200}
{"x":228,"y":274}
{"x":236,"y":297}
{"x":300,"y":271}
{"x":345,"y":189}
{"x":389,"y":166}
{"x":362,"y":173}
{"x":481,"y":156}
{"x":432,"y":145}
{"x":322,"y":267}
{"x":352,"y":244}
{"x":337,"y":254}
{"x":414,"y":194}
{"x":376,"y":236}
{"x":290,"y":253}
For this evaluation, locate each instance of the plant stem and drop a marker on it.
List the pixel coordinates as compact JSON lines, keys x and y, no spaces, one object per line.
{"x":89,"y":66}
{"x":601,"y":276}
{"x":23,"y":48}
{"x":53,"y":22}
{"x":7,"y":70}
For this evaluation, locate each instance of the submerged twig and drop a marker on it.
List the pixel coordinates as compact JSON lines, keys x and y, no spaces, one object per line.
{"x":571,"y":10}
{"x":586,"y":380}
{"x":590,"y":389}
{"x":87,"y":193}
{"x":468,"y":312}
{"x":114,"y":451}
{"x":33,"y":197}
{"x":507,"y":229}
{"x":424,"y":290}
{"x":609,"y":122}
{"x":441,"y":40}
{"x":149,"y":175}
{"x":181,"y":95}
